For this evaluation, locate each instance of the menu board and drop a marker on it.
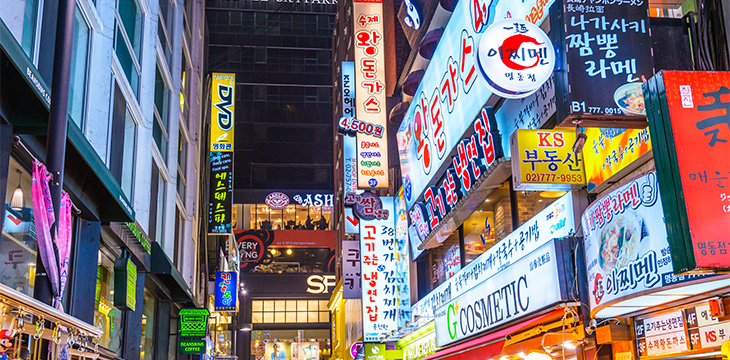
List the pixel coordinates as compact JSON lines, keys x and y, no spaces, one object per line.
{"x":690,"y":133}
{"x":607,"y":52}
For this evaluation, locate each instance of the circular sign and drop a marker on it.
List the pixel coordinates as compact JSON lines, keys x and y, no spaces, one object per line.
{"x":277,"y":200}
{"x":365,"y":208}
{"x":515,"y":57}
{"x":354,"y":348}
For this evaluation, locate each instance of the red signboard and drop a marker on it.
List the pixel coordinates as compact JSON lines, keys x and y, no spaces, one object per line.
{"x":695,"y":121}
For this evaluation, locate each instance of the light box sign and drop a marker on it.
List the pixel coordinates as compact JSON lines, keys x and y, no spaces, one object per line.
{"x":609,"y":151}
{"x":403,"y":268}
{"x":689,"y":120}
{"x":661,"y":334}
{"x":125,"y":284}
{"x":222,"y":111}
{"x":193,"y":322}
{"x":555,"y":221}
{"x":544,"y":160}
{"x":626,"y":246}
{"x":532,"y":283}
{"x":474,"y":156}
{"x":370,"y":93}
{"x":226,"y":294}
{"x":349,"y":143}
{"x":379,"y":278}
{"x":453,"y":90}
{"x":607,"y":52}
{"x":351,"y":280}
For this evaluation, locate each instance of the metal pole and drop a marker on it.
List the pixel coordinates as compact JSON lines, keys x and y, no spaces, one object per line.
{"x":57,"y":123}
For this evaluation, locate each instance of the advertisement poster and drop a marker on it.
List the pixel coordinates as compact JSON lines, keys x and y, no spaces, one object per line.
{"x":531,"y":283}
{"x":626,"y":244}
{"x":278,"y":351}
{"x":379,"y":279}
{"x":372,"y":149}
{"x":608,"y":47}
{"x":544,"y":160}
{"x":608,"y":151}
{"x":453,"y":90}
{"x":305,"y":351}
{"x":691,"y":137}
{"x":403,"y":263}
{"x":555,"y":221}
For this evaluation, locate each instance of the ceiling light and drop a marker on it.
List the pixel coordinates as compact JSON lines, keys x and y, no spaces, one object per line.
{"x":537,"y":355}
{"x":288,"y":251}
{"x":570,"y":345}
{"x":17,"y":202}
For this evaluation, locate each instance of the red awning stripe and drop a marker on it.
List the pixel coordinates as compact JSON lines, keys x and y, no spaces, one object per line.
{"x":490,"y":345}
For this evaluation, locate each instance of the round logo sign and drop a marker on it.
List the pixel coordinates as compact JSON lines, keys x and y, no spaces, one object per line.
{"x":355,"y":347}
{"x":277,"y":200}
{"x":372,"y":182}
{"x":365,"y":208}
{"x":515,"y":57}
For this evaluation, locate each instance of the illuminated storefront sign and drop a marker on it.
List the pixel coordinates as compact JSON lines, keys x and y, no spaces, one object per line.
{"x":351,"y":279}
{"x":453,"y":91}
{"x":370,"y":93}
{"x":419,"y":344}
{"x":515,"y":57}
{"x":532,"y":283}
{"x":608,"y":151}
{"x":607,"y":51}
{"x":349,"y":143}
{"x":379,"y":280}
{"x":226,"y":294}
{"x":403,"y":269}
{"x":191,"y":346}
{"x":544,"y":160}
{"x":690,"y":135}
{"x":661,"y":334}
{"x":626,"y":246}
{"x":473,"y":157}
{"x":367,"y":206}
{"x":277,"y":200}
{"x":555,"y":221}
{"x":314,"y":199}
{"x":220,"y":201}
{"x":320,"y":284}
{"x":193,"y":322}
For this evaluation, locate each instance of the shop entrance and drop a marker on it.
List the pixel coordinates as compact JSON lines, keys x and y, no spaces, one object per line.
{"x":290,"y":344}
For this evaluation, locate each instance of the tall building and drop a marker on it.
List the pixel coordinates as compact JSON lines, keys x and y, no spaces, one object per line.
{"x":131,"y":167}
{"x":280,"y":52}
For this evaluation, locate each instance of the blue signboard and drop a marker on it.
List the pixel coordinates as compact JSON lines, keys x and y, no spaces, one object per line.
{"x":226,"y":285}
{"x":453,"y":91}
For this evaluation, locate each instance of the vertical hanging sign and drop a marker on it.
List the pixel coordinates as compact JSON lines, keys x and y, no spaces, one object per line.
{"x":351,"y":281}
{"x":372,"y":150}
{"x":226,"y":283}
{"x":349,"y":143}
{"x":403,"y":289}
{"x":221,"y":153}
{"x":378,"y":269}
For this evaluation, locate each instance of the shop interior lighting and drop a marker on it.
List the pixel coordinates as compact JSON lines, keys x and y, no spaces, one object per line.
{"x":17,"y":202}
{"x":570,"y":345}
{"x":246,"y":327}
{"x":537,"y":355}
{"x":552,"y":194}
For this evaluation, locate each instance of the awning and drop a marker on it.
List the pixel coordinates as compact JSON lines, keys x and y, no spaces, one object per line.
{"x":24,"y":102}
{"x":489,"y":346}
{"x":167,"y":273}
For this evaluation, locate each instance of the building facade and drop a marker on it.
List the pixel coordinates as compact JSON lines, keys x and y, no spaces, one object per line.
{"x":131,"y":164}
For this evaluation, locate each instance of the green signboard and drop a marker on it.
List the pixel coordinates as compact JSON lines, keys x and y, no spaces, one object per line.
{"x":193,"y":322}
{"x":378,"y":352}
{"x":125,"y":284}
{"x":191,"y":347}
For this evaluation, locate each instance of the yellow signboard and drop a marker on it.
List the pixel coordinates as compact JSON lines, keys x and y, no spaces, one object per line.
{"x":221,"y":112}
{"x":609,"y":151}
{"x":544,"y":160}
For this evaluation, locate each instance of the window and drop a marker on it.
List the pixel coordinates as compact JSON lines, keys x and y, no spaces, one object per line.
{"x":128,"y":42}
{"x":293,"y":217}
{"x":106,"y":316}
{"x":164,"y":30}
{"x":18,"y":243}
{"x":157,"y":204}
{"x":179,"y":234}
{"x":289,"y":311}
{"x":148,"y":326}
{"x":79,"y":62}
{"x":182,"y":159}
{"x":159,"y":126}
{"x":122,"y":142}
{"x":20,"y":16}
{"x":184,"y":79}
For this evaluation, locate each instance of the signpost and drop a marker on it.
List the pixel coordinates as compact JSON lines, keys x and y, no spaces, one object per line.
{"x":193,"y":322}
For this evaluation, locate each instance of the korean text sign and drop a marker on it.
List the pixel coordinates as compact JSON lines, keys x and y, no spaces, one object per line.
{"x":349,"y":143}
{"x":531,"y":283}
{"x":379,"y":279}
{"x":626,"y":246}
{"x":403,"y":263}
{"x":370,"y":93}
{"x":222,"y":111}
{"x":220,"y":200}
{"x":226,"y":294}
{"x":544,"y":160}
{"x":453,"y":91}
{"x":691,"y":141}
{"x":661,"y":334}
{"x":555,"y":221}
{"x":351,"y":280}
{"x":607,"y":51}
{"x":608,"y":151}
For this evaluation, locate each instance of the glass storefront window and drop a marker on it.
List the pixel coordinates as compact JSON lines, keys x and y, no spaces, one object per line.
{"x":311,"y":344}
{"x":289,"y":311}
{"x":18,"y":244}
{"x":293,"y":217}
{"x":20,"y":17}
{"x":106,"y":316}
{"x":296,"y":260}
{"x":148,"y":326}
{"x":530,"y":203}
